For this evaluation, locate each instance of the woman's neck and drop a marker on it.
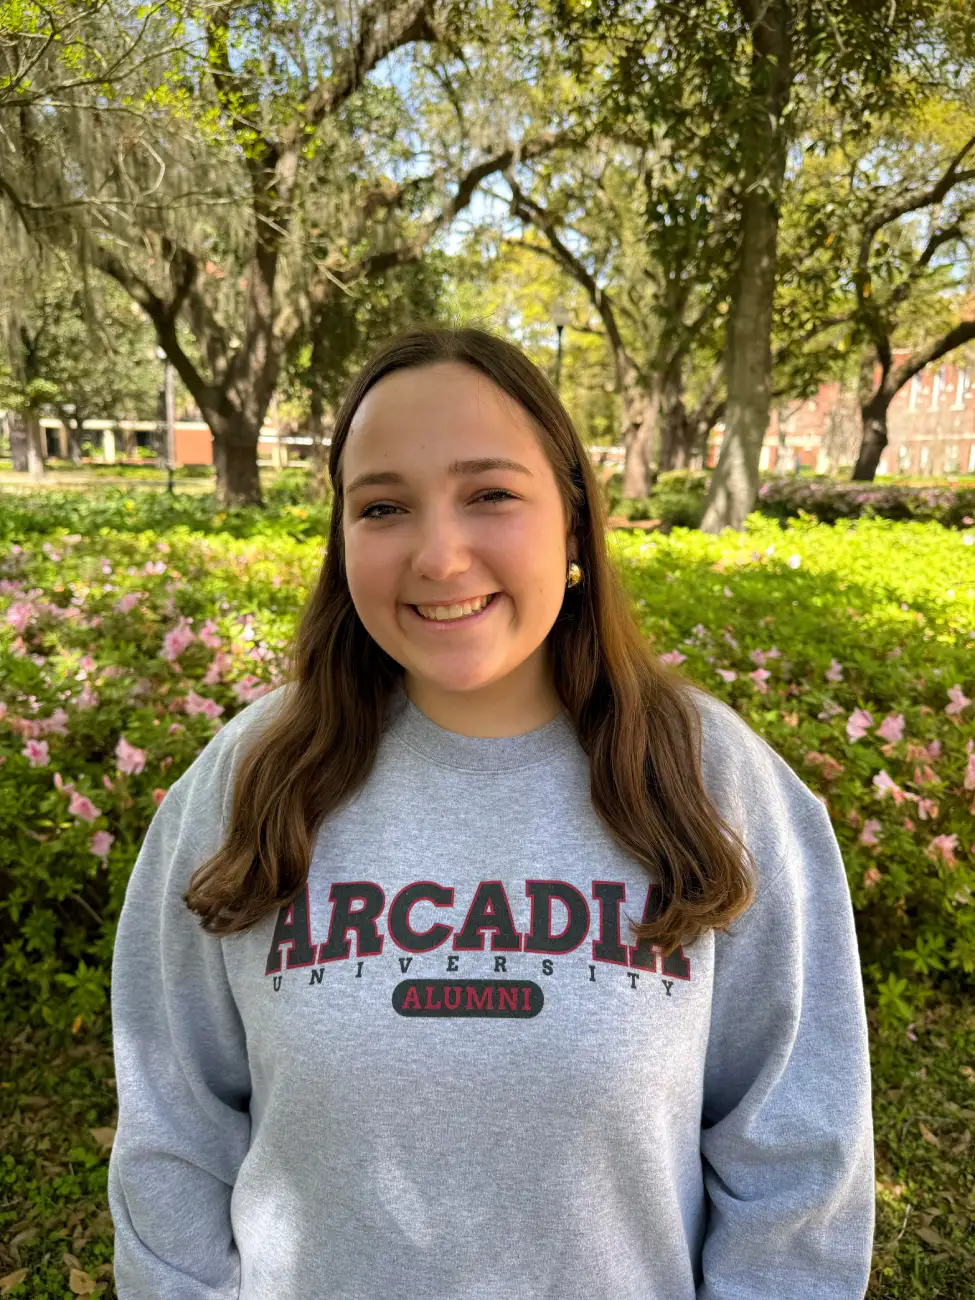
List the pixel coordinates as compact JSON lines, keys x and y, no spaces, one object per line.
{"x":523,"y":701}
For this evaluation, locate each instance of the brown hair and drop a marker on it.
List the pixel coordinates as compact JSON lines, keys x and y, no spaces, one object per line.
{"x":634,"y":718}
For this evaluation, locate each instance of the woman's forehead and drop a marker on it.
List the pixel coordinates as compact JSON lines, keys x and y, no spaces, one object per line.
{"x":442,"y":411}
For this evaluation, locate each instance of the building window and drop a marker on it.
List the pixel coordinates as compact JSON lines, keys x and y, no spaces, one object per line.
{"x":964,"y":381}
{"x":971,"y":459}
{"x":951,"y":458}
{"x":903,"y":459}
{"x":925,"y":458}
{"x":936,"y":387}
{"x":915,"y":393}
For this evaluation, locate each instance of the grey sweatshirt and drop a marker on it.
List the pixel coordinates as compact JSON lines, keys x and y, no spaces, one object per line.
{"x":299,"y":1121}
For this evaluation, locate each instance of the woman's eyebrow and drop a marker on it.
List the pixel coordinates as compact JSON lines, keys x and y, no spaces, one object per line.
{"x":384,"y":478}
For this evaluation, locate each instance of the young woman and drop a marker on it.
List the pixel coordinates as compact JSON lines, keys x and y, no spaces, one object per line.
{"x":485,"y":959}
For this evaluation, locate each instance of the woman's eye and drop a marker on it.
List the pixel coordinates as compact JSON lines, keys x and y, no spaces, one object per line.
{"x":496,"y":494}
{"x":381,"y":510}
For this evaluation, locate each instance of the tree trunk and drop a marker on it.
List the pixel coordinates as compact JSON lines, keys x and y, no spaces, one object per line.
{"x":235,"y":462}
{"x":873,"y":415}
{"x":320,"y":428}
{"x":676,"y":440}
{"x":748,"y":351}
{"x":26,"y":444}
{"x":640,"y":439}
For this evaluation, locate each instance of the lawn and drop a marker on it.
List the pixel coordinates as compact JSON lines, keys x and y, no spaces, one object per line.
{"x":133,"y":627}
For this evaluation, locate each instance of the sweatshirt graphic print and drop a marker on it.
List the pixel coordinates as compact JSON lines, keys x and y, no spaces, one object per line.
{"x":448,"y":1071}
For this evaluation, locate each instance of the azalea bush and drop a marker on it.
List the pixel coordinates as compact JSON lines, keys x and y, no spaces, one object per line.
{"x":827,"y":500}
{"x":131,"y":630}
{"x":849,"y":648}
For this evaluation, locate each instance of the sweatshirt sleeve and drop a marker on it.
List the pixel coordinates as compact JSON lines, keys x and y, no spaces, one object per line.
{"x":181,"y":1067}
{"x":787,"y":1133}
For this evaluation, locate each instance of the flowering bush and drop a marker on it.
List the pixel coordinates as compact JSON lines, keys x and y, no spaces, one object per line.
{"x":849,"y":648}
{"x":828,"y":501}
{"x":121,"y":654}
{"x":128,"y":637}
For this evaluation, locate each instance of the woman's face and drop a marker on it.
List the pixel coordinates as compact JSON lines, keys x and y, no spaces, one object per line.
{"x":450,"y":500}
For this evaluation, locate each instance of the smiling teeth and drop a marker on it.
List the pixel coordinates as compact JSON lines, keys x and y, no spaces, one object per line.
{"x":441,"y":613}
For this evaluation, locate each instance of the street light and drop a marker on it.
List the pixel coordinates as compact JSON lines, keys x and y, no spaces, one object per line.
{"x":170,"y":432}
{"x":561,"y":316}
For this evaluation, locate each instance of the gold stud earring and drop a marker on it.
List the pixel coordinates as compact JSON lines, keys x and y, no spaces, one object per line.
{"x":574,"y":576}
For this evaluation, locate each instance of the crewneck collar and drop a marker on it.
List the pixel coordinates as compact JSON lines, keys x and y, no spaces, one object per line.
{"x":411,"y":726}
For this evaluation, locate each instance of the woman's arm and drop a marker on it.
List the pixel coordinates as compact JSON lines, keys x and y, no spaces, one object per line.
{"x":787,"y":1132}
{"x":182,"y":1075}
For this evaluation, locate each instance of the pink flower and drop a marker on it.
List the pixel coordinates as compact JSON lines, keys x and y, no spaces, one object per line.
{"x":672,"y":657}
{"x":892,"y":728}
{"x":884,"y":785}
{"x":174,"y":728}
{"x":128,"y":602}
{"x":87,"y":664}
{"x":934,"y":749}
{"x":88,"y":699}
{"x":760,"y":676}
{"x":251,"y":688}
{"x":158,"y":795}
{"x":56,"y":724}
{"x":858,"y":724}
{"x":35,"y":751}
{"x":20,"y":614}
{"x":221,"y":663}
{"x":210,"y":635}
{"x":927,"y":808}
{"x":830,"y":711}
{"x":200,"y":704}
{"x":727,"y":675}
{"x":3,"y":710}
{"x":81,"y":806}
{"x":101,"y":842}
{"x":970,"y":771}
{"x":177,"y":639}
{"x":828,"y":766}
{"x":958,"y":700}
{"x":943,"y":846}
{"x":107,"y":782}
{"x":834,"y":673}
{"x":868,"y":835}
{"x":130,"y":759}
{"x":871,"y":877}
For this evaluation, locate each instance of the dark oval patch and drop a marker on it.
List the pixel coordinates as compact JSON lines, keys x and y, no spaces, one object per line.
{"x":493,"y":999}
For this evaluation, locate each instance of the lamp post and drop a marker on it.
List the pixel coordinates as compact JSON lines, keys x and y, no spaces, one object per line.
{"x":170,"y":431}
{"x":561,"y":316}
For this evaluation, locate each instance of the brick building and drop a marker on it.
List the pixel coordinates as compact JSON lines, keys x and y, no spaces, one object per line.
{"x":930,"y":427}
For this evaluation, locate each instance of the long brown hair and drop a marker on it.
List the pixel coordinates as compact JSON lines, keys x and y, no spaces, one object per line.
{"x":634,"y":719}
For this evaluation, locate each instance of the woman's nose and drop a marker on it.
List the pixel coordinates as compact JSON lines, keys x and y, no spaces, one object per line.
{"x":441,"y":545}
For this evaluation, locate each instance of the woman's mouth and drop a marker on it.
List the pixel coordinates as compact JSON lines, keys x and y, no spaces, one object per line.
{"x":463,"y":612}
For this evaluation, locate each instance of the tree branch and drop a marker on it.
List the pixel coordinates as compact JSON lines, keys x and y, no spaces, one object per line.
{"x":534,"y":214}
{"x":916,"y":362}
{"x":382,"y":31}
